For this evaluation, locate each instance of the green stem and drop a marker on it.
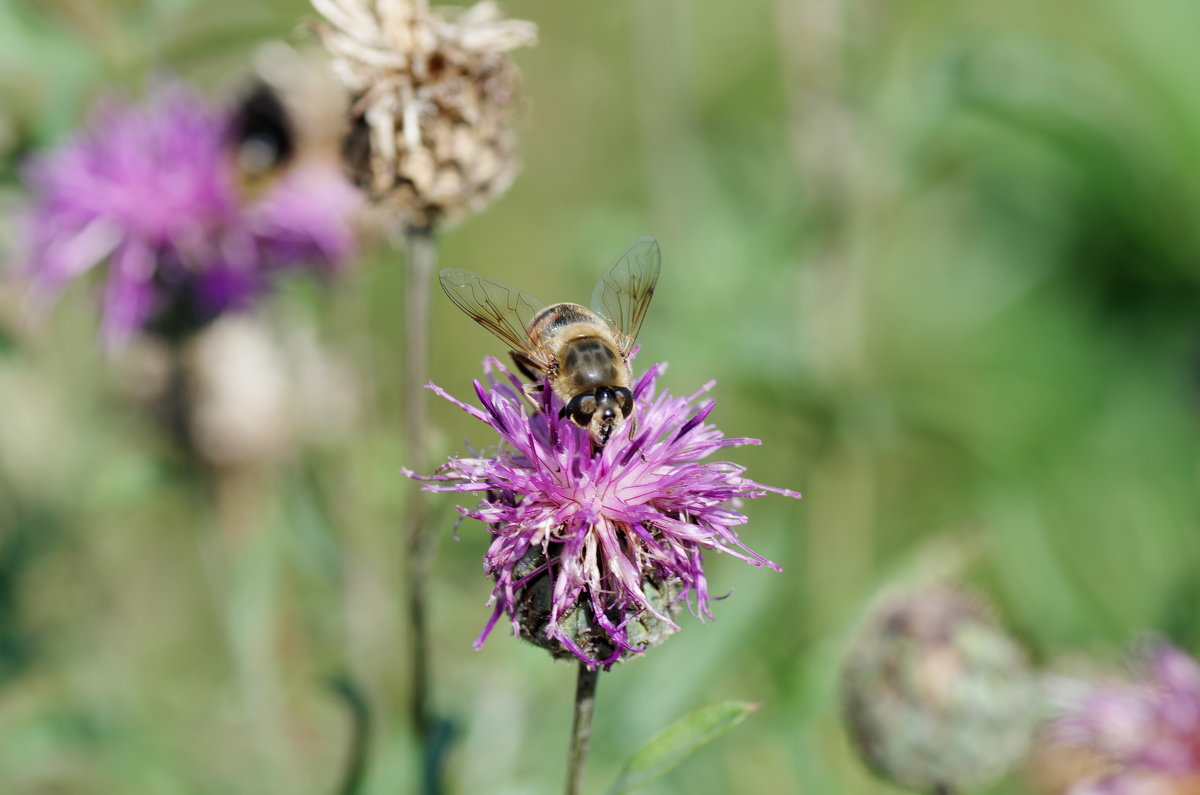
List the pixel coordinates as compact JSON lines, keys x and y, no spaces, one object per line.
{"x":581,"y":730}
{"x":422,"y":257}
{"x":355,"y":769}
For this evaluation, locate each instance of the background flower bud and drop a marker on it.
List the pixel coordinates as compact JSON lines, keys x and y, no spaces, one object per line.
{"x":936,"y":696}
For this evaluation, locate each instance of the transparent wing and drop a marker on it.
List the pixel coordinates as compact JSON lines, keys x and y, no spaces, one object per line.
{"x":623,"y":293}
{"x":504,"y":311}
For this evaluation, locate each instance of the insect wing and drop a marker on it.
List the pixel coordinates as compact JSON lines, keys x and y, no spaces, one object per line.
{"x":500,"y":309}
{"x":623,"y":293}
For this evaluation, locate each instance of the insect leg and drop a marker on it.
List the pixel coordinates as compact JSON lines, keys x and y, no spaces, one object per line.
{"x":526,"y":365}
{"x":632,"y":432}
{"x":533,"y":393}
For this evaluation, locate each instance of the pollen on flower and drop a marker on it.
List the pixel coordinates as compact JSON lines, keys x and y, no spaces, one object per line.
{"x":593,"y":555}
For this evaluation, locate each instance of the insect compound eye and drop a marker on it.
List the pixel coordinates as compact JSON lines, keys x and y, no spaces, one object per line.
{"x":624,"y":400}
{"x":581,"y":408}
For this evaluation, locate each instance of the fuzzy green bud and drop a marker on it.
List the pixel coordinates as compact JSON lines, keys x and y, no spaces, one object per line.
{"x":579,"y":624}
{"x":936,"y":696}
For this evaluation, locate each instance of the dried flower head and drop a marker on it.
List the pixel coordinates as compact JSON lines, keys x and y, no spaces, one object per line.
{"x":1148,"y":729}
{"x":237,"y":394}
{"x":936,"y":696}
{"x":592,"y":553}
{"x":434,"y":96}
{"x":150,"y":193}
{"x":241,"y":394}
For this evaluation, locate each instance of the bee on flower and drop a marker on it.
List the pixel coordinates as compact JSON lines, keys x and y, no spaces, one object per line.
{"x":598,"y":536}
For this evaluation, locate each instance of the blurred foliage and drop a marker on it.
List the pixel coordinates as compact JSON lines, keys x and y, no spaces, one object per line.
{"x":942,"y":257}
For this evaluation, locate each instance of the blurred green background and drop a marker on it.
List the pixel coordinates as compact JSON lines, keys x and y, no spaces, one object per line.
{"x":943,"y":258}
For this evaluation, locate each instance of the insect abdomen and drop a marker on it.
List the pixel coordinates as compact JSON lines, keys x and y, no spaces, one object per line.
{"x":551,"y":321}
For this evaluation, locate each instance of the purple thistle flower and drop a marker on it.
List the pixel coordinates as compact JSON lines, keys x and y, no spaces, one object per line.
{"x":151,"y":193}
{"x":1149,"y":728}
{"x":614,"y":540}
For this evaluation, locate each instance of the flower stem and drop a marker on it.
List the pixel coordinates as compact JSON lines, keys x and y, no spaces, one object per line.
{"x":422,"y":256}
{"x":355,"y":769}
{"x":581,"y":731}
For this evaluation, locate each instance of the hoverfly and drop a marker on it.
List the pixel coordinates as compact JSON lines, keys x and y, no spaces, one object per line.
{"x":583,"y":353}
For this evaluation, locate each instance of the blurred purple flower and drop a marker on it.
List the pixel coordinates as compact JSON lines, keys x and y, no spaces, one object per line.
{"x":151,"y":193}
{"x":1149,"y":728}
{"x":601,"y":526}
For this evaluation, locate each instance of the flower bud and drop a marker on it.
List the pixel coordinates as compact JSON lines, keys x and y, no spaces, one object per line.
{"x":578,"y":625}
{"x":936,"y":696}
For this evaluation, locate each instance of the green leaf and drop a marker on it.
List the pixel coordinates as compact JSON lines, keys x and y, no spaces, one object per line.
{"x":671,"y":745}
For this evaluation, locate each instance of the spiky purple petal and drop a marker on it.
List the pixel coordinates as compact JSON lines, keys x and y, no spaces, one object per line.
{"x":148,"y":192}
{"x":1149,"y":728}
{"x":642,"y":510}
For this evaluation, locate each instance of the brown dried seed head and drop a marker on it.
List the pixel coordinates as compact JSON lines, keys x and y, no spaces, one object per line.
{"x":434,"y":98}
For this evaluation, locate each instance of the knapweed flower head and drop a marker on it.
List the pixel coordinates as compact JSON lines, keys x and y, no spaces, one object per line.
{"x":592,"y":554}
{"x":435,"y":94}
{"x":149,"y":194}
{"x":1147,"y":729}
{"x":936,"y":696}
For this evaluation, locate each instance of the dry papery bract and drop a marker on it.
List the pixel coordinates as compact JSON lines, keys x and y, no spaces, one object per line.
{"x":243,"y":394}
{"x":434,"y":96}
